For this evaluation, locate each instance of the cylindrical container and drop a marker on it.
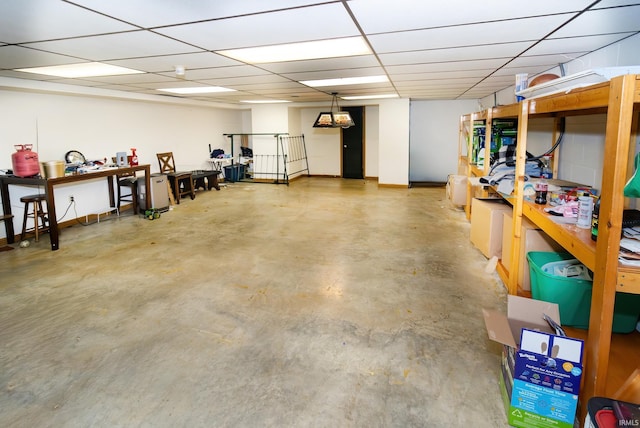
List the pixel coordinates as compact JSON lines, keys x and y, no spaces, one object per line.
{"x":541,"y":188}
{"x":53,"y":169}
{"x":521,"y":83}
{"x":24,"y":161}
{"x":585,"y":210}
{"x":594,"y":220}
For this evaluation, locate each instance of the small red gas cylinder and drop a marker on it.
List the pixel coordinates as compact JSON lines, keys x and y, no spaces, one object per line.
{"x":25,"y":162}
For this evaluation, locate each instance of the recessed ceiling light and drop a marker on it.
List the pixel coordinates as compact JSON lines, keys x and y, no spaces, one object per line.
{"x":370,"y":97}
{"x":264,"y":101}
{"x":345,"y":81}
{"x":348,"y":46}
{"x":197,"y":90}
{"x":87,"y":69}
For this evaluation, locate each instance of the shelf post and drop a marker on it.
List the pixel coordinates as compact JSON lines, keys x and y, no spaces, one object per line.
{"x":617,"y":140}
{"x":521,"y":160}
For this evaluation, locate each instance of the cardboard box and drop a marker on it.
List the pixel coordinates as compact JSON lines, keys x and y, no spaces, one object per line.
{"x":532,"y":239}
{"x":546,"y":368}
{"x":457,"y":189}
{"x":487,"y":216}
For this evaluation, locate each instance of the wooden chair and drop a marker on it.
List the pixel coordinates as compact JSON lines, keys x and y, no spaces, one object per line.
{"x":181,"y":182}
{"x":130,"y":181}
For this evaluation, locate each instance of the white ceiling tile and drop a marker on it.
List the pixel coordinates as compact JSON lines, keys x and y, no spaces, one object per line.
{"x":470,"y":35}
{"x":544,"y":60}
{"x":166,"y":63}
{"x":376,"y":16}
{"x":295,"y":25}
{"x":499,"y":50}
{"x":321,"y":64}
{"x":32,"y":20}
{"x":19,"y":57}
{"x":573,"y":44}
{"x":613,"y":3}
{"x":335,"y":74}
{"x":450,"y":74}
{"x":173,"y":12}
{"x":114,"y":46}
{"x":221,"y":72}
{"x":485,"y":64}
{"x":616,"y":20}
{"x":476,"y":48}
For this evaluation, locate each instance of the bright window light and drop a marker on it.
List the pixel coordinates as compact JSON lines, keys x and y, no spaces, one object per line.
{"x":349,"y":46}
{"x":345,"y":81}
{"x":370,"y":97}
{"x":88,"y":69}
{"x":264,"y":101}
{"x":197,"y":90}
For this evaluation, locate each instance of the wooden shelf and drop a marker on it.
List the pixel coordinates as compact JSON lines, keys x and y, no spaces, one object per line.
{"x":502,"y":112}
{"x":624,"y":348}
{"x":611,"y":360}
{"x":575,"y":240}
{"x":475,"y":171}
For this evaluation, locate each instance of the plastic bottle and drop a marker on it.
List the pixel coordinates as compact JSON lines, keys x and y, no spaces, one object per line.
{"x":594,"y":220}
{"x":541,"y":188}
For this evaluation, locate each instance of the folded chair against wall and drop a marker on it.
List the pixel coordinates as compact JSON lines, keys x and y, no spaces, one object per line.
{"x":181,"y":181}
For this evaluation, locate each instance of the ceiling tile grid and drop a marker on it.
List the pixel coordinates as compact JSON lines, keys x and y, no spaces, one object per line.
{"x":452,"y":50}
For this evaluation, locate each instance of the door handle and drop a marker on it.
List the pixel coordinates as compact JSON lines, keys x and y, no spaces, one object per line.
{"x":345,"y":146}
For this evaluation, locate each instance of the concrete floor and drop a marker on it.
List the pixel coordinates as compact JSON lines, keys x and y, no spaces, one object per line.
{"x":328,"y":303}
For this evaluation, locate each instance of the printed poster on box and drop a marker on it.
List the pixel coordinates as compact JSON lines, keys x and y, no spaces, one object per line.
{"x":547,"y":375}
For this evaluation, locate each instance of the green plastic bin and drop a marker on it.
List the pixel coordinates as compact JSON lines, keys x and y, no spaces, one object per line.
{"x":573,"y":296}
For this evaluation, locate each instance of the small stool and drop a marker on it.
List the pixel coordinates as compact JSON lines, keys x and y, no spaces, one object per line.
{"x":37,"y":213}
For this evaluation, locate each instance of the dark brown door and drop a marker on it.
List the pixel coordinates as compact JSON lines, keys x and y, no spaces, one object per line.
{"x":353,"y":145}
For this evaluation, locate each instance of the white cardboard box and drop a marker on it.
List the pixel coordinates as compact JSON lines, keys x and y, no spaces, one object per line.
{"x":457,"y":189}
{"x":532,"y":239}
{"x":487,"y":216}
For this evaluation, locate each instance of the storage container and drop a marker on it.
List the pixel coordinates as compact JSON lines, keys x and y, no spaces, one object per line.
{"x":234,"y":173}
{"x":53,"y":169}
{"x":573,"y":294}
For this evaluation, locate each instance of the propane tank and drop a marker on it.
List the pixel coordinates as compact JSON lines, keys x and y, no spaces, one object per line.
{"x":25,"y":162}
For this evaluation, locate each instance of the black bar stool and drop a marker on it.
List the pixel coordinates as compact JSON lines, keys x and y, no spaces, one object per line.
{"x":36,"y":213}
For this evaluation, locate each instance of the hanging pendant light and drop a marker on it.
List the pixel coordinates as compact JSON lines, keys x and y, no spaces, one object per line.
{"x":329,"y":119}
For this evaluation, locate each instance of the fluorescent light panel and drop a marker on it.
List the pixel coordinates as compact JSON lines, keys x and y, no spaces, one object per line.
{"x":264,"y":101}
{"x":197,"y":90}
{"x":370,"y":97}
{"x":348,"y":46}
{"x":345,"y":81}
{"x":87,"y":69}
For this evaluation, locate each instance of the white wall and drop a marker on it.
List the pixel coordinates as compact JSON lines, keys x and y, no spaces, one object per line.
{"x":394,"y":142}
{"x":433,"y":153}
{"x":100,"y":127}
{"x":372,"y":141}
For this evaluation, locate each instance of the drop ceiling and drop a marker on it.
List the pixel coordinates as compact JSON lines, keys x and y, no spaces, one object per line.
{"x":456,"y":49}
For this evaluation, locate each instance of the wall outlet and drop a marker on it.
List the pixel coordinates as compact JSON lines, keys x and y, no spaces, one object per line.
{"x":72,"y":199}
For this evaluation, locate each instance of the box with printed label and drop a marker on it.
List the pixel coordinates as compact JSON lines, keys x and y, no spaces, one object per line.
{"x":546,"y":380}
{"x":541,"y":371}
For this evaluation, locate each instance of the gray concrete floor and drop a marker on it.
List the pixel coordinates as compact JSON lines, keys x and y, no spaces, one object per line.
{"x":328,"y":303}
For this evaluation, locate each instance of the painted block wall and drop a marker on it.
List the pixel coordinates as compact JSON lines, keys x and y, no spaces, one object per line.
{"x":100,"y":127}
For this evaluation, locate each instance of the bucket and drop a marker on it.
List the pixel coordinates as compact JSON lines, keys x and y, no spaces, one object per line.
{"x":52,"y":169}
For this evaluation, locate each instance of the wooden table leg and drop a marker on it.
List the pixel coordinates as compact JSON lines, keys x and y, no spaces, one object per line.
{"x":6,"y":209}
{"x":54,"y":233}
